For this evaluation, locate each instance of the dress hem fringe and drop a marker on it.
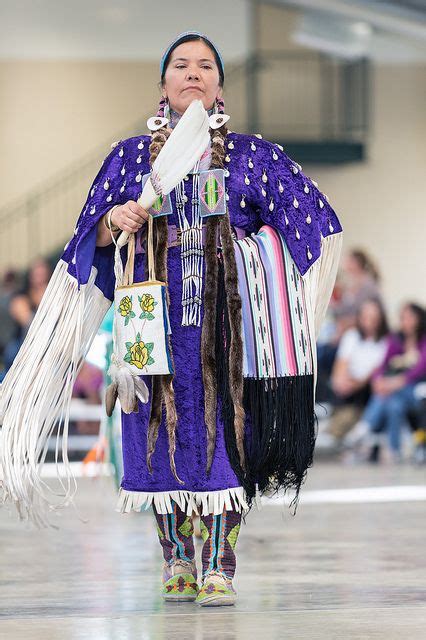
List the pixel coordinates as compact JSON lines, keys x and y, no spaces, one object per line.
{"x":200,"y":502}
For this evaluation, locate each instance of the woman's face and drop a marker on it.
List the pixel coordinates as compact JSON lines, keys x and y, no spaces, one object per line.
{"x":191,"y":74}
{"x":39,"y":273}
{"x":351,"y":265}
{"x":408,"y":321}
{"x":370,"y":318}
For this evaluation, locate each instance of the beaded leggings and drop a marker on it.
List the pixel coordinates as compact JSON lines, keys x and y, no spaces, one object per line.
{"x":219,"y":533}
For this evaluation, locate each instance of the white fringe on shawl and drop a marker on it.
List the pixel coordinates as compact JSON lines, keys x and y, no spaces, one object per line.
{"x":319,"y":282}
{"x":202,"y":502}
{"x":36,"y":393}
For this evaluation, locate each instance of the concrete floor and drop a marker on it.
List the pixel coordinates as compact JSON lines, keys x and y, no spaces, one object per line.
{"x":338,"y":570}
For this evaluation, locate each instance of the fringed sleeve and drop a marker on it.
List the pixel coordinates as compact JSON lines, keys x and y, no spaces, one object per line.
{"x":288,"y":200}
{"x":291,"y":202}
{"x":35,"y":395}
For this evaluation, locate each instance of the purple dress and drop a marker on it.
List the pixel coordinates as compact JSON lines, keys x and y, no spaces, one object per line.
{"x":283,"y":200}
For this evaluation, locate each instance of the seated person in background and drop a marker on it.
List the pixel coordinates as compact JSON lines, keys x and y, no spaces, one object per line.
{"x":24,"y":303}
{"x":358,"y":280}
{"x":8,"y":328}
{"x":393,"y":384}
{"x":361,"y":351}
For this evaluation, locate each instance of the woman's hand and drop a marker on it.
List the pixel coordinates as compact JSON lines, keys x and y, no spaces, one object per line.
{"x":344,"y":386}
{"x":384,"y":386}
{"x":129,"y":217}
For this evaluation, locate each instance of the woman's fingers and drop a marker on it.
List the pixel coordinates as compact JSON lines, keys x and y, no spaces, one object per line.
{"x":130,"y":216}
{"x":137,"y":210}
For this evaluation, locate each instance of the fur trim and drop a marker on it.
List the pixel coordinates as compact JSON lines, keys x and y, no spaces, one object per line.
{"x":154,"y":419}
{"x":236,"y":346}
{"x":208,"y":351}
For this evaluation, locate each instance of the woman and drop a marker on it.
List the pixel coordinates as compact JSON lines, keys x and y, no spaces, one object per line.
{"x":195,"y":447}
{"x":393,"y":383}
{"x":24,"y":304}
{"x":361,"y":351}
{"x":359,"y":280}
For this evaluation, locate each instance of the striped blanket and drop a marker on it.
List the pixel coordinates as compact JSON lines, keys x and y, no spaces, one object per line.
{"x":278,"y":367}
{"x":275,"y":319}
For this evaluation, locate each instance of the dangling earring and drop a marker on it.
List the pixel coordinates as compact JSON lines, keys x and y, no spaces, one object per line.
{"x":166,"y":107}
{"x":163,"y":107}
{"x":219,"y":105}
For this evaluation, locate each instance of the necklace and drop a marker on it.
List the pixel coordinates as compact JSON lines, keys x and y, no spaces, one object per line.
{"x":192,"y":251}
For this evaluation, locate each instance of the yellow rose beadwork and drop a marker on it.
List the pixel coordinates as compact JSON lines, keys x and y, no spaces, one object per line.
{"x":125,"y":309}
{"x":147,"y":304}
{"x":139,"y":353}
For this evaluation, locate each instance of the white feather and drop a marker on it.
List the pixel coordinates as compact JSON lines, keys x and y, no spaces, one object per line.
{"x":182,"y":150}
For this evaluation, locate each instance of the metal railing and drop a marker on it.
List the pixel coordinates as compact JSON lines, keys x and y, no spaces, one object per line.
{"x":307,"y":96}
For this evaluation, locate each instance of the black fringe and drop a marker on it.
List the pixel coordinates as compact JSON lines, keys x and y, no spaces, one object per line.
{"x":281,"y":445}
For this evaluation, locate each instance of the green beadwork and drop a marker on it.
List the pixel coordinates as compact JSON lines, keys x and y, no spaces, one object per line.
{"x":186,"y":528}
{"x":182,"y":584}
{"x":233,"y":535}
{"x":158,"y":204}
{"x":211,"y":192}
{"x":204,"y":531}
{"x":210,"y":588}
